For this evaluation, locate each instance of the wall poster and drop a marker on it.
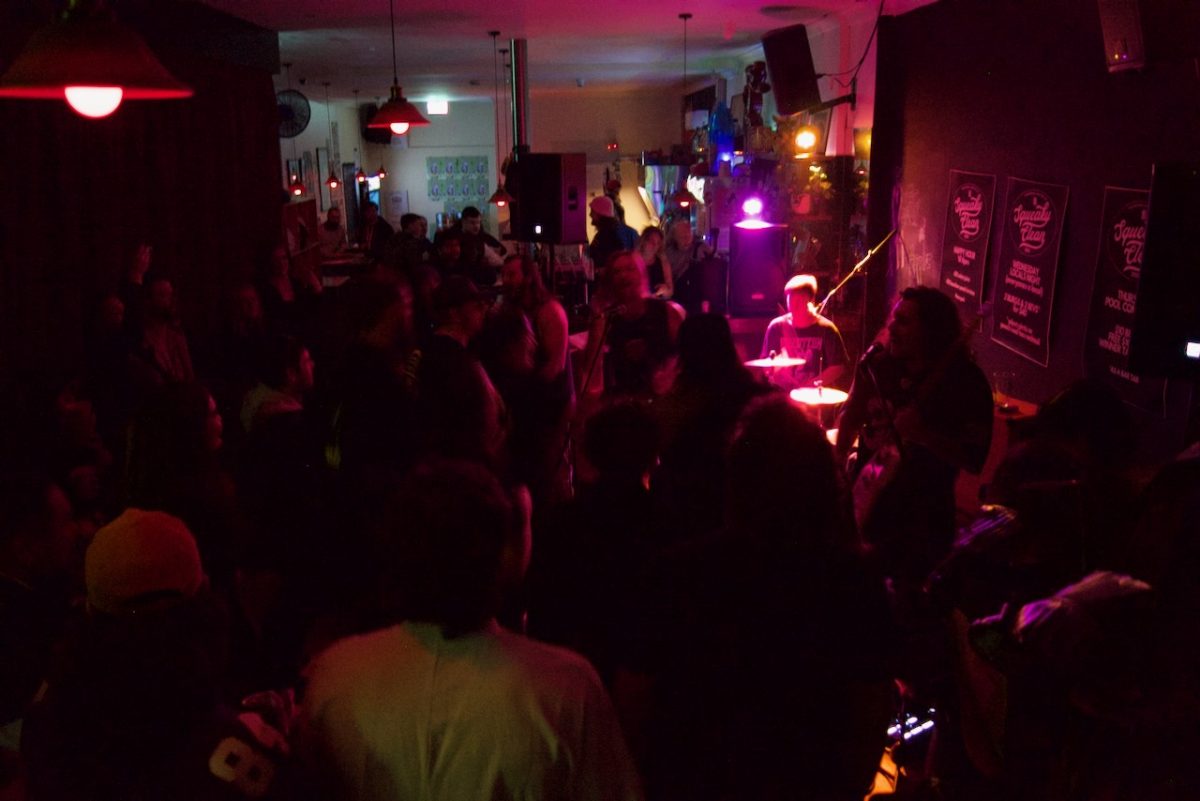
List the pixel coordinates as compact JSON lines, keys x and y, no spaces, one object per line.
{"x":1114,"y":299}
{"x":1026,"y":267}
{"x":458,"y":181}
{"x":968,"y":230}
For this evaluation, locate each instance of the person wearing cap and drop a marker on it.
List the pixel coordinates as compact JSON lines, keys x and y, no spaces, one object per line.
{"x":607,"y":240}
{"x":133,"y":708}
{"x":803,"y":333}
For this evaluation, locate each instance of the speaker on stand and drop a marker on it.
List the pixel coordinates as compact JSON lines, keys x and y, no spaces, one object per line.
{"x":549,"y":197}
{"x":758,"y":266}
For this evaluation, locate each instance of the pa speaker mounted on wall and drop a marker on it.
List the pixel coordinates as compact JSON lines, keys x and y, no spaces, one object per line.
{"x":549,"y":197}
{"x":790,"y":65}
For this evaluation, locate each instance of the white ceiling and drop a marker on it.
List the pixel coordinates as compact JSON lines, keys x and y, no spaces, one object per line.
{"x":443,"y":47}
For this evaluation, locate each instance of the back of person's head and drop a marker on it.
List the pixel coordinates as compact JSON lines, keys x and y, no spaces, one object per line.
{"x":622,"y":440}
{"x":782,"y":483}
{"x":471,"y":213}
{"x":1044,"y":484}
{"x":706,"y":348}
{"x":169,"y":442}
{"x":941,"y":328}
{"x":506,"y":345}
{"x":35,"y":541}
{"x":375,"y":304}
{"x":280,"y":354}
{"x":141,"y":560}
{"x":442,"y":541}
{"x":1091,"y":420}
{"x":407,"y":221}
{"x":143,"y":672}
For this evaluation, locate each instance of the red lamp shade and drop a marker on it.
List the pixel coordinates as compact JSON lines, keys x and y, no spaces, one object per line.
{"x":500,"y":197}
{"x":332,"y":181}
{"x":381,"y":173}
{"x":296,"y":187}
{"x":397,"y":115}
{"x":94,"y":62}
{"x":683,"y":198}
{"x":360,"y":176}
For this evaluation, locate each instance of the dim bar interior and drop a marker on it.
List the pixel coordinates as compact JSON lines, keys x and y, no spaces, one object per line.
{"x":735,"y":400}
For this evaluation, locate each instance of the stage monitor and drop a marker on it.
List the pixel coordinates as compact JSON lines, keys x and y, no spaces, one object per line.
{"x":1166,"y":328}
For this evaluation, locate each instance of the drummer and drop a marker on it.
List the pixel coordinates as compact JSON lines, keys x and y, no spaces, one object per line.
{"x":807,"y":335}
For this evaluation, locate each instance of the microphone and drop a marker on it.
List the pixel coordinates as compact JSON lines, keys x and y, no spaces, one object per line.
{"x":873,"y":351}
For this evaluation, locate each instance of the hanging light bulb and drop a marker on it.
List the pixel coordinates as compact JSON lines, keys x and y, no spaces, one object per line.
{"x":397,"y":114}
{"x":91,"y":60}
{"x":381,"y":173}
{"x":332,"y":181}
{"x":685,"y":16}
{"x":683,"y":198}
{"x":296,"y":187}
{"x":500,"y":198}
{"x":361,"y":175}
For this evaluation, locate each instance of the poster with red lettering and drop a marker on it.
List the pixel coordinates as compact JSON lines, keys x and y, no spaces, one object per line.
{"x":1027,"y":265}
{"x":1114,"y":299}
{"x":965,"y":244}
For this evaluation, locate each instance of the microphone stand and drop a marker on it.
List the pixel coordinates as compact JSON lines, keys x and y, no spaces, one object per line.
{"x":858,"y":268}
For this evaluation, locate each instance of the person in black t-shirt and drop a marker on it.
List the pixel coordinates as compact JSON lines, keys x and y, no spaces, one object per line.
{"x":805,"y":334}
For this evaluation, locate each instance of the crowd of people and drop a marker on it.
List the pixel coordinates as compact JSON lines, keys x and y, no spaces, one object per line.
{"x":391,"y":540}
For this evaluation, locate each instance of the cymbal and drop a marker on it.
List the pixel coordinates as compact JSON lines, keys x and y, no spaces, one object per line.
{"x":818,"y":396}
{"x":776,"y":361}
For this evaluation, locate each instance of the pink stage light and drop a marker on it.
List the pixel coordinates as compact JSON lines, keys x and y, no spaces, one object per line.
{"x":754,"y":225}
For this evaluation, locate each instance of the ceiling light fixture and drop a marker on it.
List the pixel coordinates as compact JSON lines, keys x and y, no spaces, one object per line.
{"x":296,"y":187}
{"x":682,"y":197}
{"x":92,"y":61}
{"x":500,"y":198}
{"x":332,"y":181}
{"x":361,"y":175}
{"x":397,"y":115}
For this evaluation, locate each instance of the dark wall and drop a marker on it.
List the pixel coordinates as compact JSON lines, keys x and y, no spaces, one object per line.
{"x":198,"y":179}
{"x":1019,"y":88}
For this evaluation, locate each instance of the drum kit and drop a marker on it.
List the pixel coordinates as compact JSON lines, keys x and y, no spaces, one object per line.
{"x":815,"y":399}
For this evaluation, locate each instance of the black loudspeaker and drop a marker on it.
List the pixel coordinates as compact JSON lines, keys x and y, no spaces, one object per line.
{"x":1166,"y":323}
{"x":758,"y":260}
{"x":1121,"y":23}
{"x":790,"y":65}
{"x":378,"y":136}
{"x":549,"y":197}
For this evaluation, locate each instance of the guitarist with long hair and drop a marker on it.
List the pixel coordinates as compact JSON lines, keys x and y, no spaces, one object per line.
{"x":921,"y":410}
